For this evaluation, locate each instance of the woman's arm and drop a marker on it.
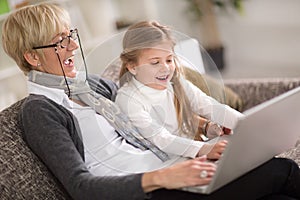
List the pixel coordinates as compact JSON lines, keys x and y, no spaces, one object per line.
{"x":50,"y":132}
{"x":180,"y":175}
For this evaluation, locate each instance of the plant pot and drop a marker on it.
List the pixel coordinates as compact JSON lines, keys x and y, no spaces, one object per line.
{"x":217,"y":55}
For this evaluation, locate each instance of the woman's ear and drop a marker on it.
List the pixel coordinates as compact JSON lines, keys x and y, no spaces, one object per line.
{"x":32,"y":58}
{"x":131,"y":68}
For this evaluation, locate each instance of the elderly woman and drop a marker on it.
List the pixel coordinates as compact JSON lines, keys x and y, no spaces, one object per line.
{"x":66,"y":134}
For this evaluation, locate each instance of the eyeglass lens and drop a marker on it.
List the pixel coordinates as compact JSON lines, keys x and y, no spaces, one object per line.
{"x":66,"y":40}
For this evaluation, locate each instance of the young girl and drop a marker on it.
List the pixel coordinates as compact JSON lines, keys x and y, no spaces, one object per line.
{"x":160,"y":102}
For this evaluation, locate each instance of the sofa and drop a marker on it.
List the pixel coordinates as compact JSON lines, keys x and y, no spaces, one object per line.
{"x":24,"y":176}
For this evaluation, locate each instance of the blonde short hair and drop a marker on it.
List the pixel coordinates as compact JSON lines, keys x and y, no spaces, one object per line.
{"x":31,"y":26}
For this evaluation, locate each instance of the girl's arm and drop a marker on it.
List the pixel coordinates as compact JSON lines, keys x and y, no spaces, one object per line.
{"x":154,"y":130}
{"x":210,"y":108}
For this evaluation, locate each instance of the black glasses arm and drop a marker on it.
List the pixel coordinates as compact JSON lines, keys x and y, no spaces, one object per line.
{"x":46,"y":46}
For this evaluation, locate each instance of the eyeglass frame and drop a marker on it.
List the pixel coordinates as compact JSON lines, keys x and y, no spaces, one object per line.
{"x":58,"y":44}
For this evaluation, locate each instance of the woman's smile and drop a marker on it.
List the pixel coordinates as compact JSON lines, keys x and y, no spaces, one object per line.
{"x":69,"y":62}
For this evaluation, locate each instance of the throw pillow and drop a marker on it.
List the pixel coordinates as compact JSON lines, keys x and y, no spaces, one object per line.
{"x":213,"y":88}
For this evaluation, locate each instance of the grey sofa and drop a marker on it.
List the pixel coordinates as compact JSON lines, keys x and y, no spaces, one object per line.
{"x":24,"y":176}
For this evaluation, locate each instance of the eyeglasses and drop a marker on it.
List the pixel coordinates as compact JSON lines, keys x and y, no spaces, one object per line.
{"x":64,"y":42}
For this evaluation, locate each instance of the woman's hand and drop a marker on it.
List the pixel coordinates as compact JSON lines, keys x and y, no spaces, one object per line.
{"x":184,"y":174}
{"x":213,"y":151}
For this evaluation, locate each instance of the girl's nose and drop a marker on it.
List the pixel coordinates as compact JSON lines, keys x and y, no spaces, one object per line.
{"x":165,"y":66}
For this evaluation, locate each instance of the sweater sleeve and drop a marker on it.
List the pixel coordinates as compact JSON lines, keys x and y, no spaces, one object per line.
{"x":49,"y":130}
{"x":155,"y":131}
{"x":210,"y":108}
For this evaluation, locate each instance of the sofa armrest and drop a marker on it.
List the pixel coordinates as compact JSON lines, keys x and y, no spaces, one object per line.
{"x":22,"y":174}
{"x":256,"y":91}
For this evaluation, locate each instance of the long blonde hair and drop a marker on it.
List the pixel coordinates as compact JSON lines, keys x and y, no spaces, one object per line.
{"x":147,"y":34}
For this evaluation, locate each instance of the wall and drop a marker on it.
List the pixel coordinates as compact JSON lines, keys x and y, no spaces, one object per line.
{"x":263,"y":42}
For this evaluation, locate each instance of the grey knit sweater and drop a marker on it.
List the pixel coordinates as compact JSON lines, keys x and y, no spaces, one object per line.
{"x":52,"y":133}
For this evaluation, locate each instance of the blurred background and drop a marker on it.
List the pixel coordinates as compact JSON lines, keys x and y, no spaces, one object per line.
{"x":246,"y":38}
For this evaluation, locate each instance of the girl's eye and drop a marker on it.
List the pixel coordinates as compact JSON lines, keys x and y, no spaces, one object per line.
{"x":169,"y":60}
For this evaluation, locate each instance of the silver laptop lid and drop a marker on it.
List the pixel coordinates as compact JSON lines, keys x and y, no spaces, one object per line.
{"x":267,"y":130}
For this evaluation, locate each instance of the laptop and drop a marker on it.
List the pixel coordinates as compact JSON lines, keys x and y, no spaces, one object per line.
{"x":266,"y":131}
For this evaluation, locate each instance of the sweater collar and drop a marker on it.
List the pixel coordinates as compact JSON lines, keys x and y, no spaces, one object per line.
{"x":56,"y":95}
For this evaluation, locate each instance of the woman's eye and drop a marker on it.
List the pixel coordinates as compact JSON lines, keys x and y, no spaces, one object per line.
{"x":169,"y":60}
{"x":60,"y":38}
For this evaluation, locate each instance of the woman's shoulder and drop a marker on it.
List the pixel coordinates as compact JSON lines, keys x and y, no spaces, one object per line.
{"x":40,"y":104}
{"x":37,"y":100}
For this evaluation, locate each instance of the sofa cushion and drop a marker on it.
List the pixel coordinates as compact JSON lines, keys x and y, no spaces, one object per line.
{"x":22,"y":174}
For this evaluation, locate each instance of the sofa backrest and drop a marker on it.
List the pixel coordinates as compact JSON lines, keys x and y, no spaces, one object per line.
{"x":189,"y":53}
{"x":22,"y":174}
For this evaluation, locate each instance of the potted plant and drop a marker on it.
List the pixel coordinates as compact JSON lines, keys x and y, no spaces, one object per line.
{"x":204,"y":13}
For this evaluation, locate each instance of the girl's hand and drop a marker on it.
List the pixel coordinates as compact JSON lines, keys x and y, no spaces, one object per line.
{"x":213,"y":151}
{"x":227,"y":131}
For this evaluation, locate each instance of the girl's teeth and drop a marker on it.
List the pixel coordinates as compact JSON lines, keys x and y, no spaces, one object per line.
{"x":162,"y":78}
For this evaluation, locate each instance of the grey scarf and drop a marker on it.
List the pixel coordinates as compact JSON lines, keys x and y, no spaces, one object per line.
{"x":80,"y":90}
